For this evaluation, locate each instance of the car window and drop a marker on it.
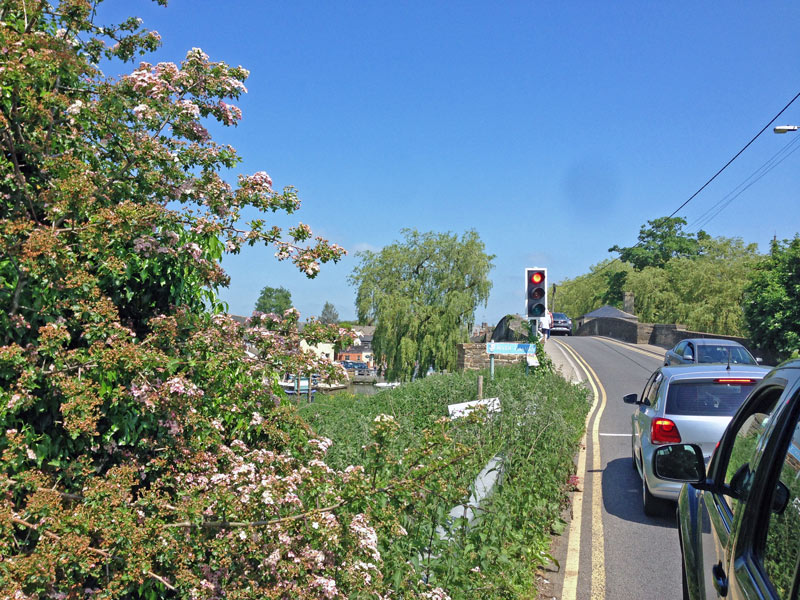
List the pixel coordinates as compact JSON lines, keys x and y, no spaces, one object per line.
{"x":738,"y":474}
{"x":741,"y":356}
{"x":648,"y":385}
{"x":707,"y":398}
{"x":679,"y":348}
{"x":652,"y":393}
{"x":782,"y":543}
{"x":710,"y":354}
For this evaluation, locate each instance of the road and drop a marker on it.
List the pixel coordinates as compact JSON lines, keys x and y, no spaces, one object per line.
{"x":612,"y":550}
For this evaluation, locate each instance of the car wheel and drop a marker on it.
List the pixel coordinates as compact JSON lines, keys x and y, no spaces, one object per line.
{"x":653,"y":506}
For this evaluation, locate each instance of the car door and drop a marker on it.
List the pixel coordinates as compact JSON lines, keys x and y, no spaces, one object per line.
{"x":764,"y":563}
{"x":688,"y":355}
{"x":646,"y":411}
{"x":675,"y":356}
{"x":719,"y":509}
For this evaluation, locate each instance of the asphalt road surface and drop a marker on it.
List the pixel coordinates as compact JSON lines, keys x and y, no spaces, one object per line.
{"x":612,"y":550}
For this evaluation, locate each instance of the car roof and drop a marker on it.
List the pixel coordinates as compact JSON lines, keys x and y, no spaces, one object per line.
{"x":710,"y":371}
{"x":712,"y":341}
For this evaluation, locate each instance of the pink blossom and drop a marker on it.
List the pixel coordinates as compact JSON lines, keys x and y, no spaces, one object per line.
{"x":327,"y":586}
{"x":230,"y":114}
{"x":436,"y":594}
{"x":176,"y":385}
{"x":13,"y":402}
{"x":273,"y":558}
{"x":189,"y":108}
{"x":258,"y":181}
{"x":75,"y":107}
{"x":367,"y":538}
{"x":194,"y":250}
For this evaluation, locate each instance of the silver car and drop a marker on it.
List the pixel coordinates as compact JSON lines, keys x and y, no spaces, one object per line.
{"x":684,"y":404}
{"x":708,"y":350}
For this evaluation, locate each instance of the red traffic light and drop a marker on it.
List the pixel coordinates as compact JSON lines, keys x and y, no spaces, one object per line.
{"x":537,"y":277}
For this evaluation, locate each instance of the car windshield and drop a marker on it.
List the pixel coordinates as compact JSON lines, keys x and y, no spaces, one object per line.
{"x":706,"y":398}
{"x":719,"y":354}
{"x":560,"y":316}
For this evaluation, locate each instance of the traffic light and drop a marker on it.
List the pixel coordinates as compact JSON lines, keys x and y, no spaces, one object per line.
{"x":535,"y":292}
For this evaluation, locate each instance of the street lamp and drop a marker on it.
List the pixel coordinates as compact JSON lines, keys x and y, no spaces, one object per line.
{"x":785,"y":128}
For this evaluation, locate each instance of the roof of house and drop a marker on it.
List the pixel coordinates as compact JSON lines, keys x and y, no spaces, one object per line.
{"x":609,"y":312}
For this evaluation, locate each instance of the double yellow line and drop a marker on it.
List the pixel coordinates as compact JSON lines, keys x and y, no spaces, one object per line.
{"x":572,"y":566}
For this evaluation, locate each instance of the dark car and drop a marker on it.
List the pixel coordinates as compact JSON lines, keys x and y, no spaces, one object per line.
{"x":708,"y":350}
{"x":739,"y":520}
{"x":561,"y":324}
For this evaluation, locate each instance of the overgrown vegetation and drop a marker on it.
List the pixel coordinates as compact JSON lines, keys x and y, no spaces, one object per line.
{"x":536,"y":434}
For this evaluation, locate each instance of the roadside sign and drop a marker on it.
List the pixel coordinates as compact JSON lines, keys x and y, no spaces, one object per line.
{"x":462,"y":409}
{"x":510,"y":348}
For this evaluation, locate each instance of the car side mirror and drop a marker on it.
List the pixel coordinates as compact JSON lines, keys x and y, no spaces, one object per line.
{"x":688,"y":356}
{"x":739,"y":486}
{"x":631,"y":398}
{"x":780,"y":499}
{"x":680,"y":462}
{"x":759,"y":360}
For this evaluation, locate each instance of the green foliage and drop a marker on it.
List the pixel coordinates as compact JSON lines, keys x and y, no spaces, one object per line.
{"x":274,"y":300}
{"x":663,"y":240}
{"x":329,"y":316}
{"x":772,"y":300}
{"x":585,"y":293}
{"x":422,"y":293}
{"x":703,"y":292}
{"x":146,"y":450}
{"x":536,"y":433}
{"x":615,"y":282}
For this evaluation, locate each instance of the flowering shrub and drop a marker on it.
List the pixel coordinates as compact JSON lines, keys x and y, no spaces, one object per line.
{"x":146,"y":449}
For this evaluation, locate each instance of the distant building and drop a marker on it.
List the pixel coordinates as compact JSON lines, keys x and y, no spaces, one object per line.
{"x":481,"y":333}
{"x":361,"y":350}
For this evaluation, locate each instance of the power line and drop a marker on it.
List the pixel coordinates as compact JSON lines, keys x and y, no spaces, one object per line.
{"x":725,"y":166}
{"x":746,"y":146}
{"x":725,"y":201}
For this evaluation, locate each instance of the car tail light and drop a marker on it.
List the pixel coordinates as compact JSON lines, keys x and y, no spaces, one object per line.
{"x":735,"y":380}
{"x":664,"y":431}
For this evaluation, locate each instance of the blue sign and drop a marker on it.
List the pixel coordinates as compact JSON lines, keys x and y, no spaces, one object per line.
{"x":510,"y":348}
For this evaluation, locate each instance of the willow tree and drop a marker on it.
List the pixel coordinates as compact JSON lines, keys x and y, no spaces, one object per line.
{"x":422,"y":293}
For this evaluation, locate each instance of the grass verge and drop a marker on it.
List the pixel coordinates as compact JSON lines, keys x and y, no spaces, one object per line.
{"x":536,"y":434}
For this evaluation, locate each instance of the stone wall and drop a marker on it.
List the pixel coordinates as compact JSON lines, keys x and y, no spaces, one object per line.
{"x":473,"y":357}
{"x":619,"y":329}
{"x":655,"y":334}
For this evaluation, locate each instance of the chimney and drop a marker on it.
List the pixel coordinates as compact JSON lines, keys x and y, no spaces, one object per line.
{"x":627,"y":302}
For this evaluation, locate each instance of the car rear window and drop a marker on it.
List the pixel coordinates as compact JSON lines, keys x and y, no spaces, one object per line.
{"x":719,"y":354}
{"x":707,"y":398}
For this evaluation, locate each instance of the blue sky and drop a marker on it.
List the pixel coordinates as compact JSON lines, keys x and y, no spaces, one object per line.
{"x":553,"y":129}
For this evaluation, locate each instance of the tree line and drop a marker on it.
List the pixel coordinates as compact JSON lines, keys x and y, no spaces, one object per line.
{"x":718,"y":285}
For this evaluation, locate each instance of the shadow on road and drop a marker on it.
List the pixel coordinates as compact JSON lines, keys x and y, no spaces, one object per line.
{"x":622,"y":495}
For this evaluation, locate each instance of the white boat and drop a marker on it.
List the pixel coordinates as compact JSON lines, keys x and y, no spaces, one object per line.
{"x":387,"y":384}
